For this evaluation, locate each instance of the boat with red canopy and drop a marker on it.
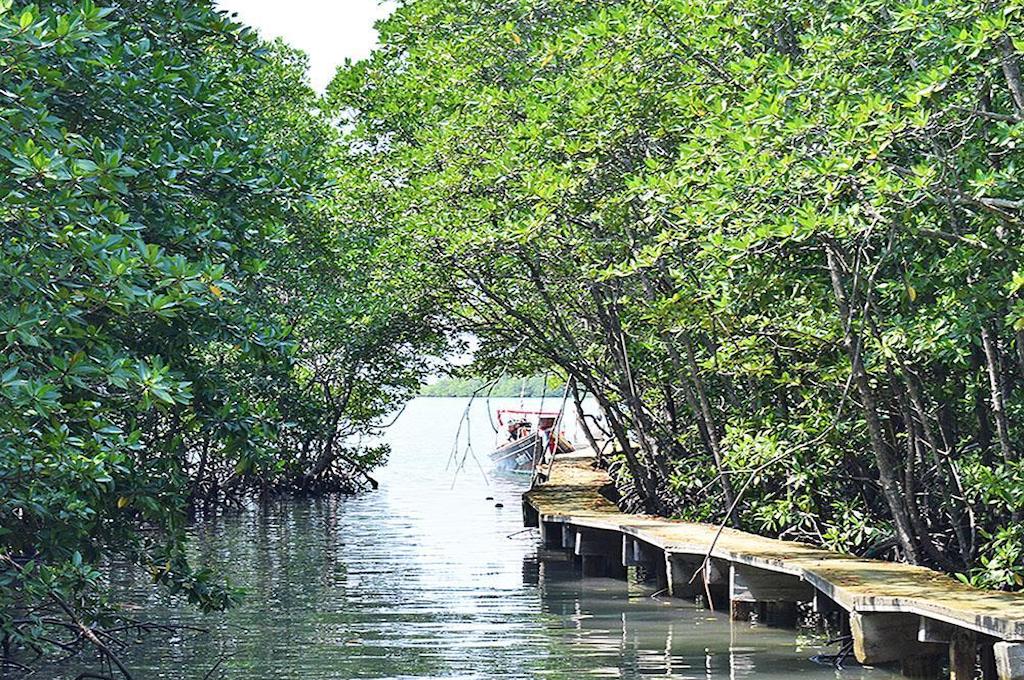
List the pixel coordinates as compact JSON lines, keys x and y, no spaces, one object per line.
{"x":530,"y":438}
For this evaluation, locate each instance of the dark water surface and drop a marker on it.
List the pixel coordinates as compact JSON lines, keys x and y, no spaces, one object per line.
{"x":427,"y":578}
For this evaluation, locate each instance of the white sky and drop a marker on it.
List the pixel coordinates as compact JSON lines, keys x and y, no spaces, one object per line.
{"x":327,"y":30}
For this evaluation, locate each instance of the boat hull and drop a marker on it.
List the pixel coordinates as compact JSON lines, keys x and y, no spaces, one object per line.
{"x":517,"y":455}
{"x":523,"y":454}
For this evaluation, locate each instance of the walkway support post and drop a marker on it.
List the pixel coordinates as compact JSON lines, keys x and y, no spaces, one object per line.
{"x":1009,"y":660}
{"x":963,"y":646}
{"x":551,"y":534}
{"x":568,"y":536}
{"x":646,"y":557}
{"x":767,"y":592}
{"x":884,"y":637}
{"x":636,"y":553}
{"x":712,"y":578}
{"x":600,"y":552}
{"x":679,"y":571}
{"x":963,"y":654}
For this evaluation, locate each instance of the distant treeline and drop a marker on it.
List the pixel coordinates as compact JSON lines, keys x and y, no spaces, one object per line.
{"x":507,"y":387}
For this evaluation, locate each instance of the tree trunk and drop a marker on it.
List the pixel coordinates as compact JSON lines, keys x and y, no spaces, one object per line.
{"x":943,"y":462}
{"x":327,"y":455}
{"x":712,"y":431}
{"x":640,"y":472}
{"x":887,"y":469}
{"x":981,"y":411}
{"x":1011,"y":70}
{"x":989,"y":343}
{"x":582,"y":419}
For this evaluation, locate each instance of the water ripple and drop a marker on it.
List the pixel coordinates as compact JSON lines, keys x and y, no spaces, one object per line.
{"x":421,"y":580}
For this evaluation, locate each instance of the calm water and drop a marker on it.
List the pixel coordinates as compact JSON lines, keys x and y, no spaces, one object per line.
{"x":427,"y":578}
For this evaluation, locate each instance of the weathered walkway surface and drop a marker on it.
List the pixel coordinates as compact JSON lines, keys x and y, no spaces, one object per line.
{"x":897,"y":612}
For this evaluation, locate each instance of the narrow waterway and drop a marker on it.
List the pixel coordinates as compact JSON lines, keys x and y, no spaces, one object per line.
{"x":428,"y":577}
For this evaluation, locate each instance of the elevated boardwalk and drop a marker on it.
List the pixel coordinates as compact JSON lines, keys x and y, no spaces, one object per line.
{"x":895,"y":612}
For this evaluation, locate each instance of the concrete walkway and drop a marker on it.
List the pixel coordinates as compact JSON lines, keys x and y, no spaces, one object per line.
{"x":897,"y":612}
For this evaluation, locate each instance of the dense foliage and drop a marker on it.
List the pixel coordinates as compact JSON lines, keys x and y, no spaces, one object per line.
{"x":184,"y":319}
{"x":779,"y":243}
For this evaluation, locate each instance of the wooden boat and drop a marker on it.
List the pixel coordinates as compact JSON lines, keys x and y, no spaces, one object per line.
{"x":529,"y":440}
